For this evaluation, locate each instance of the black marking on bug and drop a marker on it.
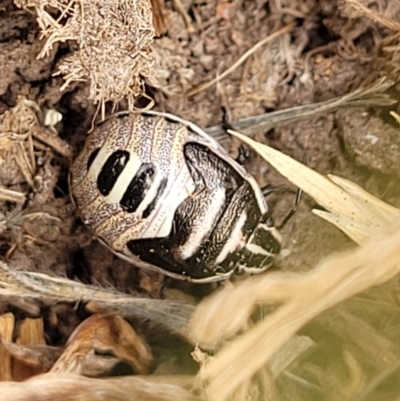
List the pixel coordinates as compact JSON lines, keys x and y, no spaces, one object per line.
{"x":153,"y":203}
{"x":92,"y":157}
{"x":158,"y":252}
{"x":192,"y":130}
{"x":122,"y":114}
{"x":137,"y":188}
{"x":259,"y":238}
{"x":147,"y":114}
{"x":265,"y":242}
{"x":209,"y":174}
{"x":111,"y":170}
{"x":171,"y":120}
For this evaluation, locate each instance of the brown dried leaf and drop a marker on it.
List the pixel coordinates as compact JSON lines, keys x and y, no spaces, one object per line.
{"x":104,"y":333}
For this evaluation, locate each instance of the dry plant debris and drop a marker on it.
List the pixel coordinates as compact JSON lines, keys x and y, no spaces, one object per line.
{"x":373,"y":95}
{"x":114,"y":44}
{"x":361,"y":7}
{"x":366,"y":219}
{"x":70,"y":387}
{"x":93,"y":349}
{"x":301,"y":297}
{"x":103,"y":334}
{"x":275,"y":76}
{"x":159,"y":18}
{"x":19,"y":152}
{"x":16,"y":286}
{"x":242,"y":59}
{"x":6,"y":333}
{"x":356,"y":212}
{"x":27,"y":174}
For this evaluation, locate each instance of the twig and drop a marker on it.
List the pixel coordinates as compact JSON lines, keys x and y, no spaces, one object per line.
{"x":52,"y":140}
{"x":395,"y":116}
{"x":11,"y":196}
{"x":181,"y":10}
{"x":243,"y":58}
{"x":387,"y":22}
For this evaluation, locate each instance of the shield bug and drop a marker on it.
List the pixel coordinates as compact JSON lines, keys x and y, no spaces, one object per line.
{"x":162,"y":194}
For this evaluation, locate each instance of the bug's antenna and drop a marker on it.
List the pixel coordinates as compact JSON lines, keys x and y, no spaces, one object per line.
{"x":226,"y":125}
{"x":243,"y":150}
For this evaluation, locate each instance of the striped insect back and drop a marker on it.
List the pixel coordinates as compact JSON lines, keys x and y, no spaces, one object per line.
{"x":162,"y":194}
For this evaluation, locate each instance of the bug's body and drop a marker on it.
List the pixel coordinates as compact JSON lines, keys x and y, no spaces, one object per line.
{"x":161,"y":193}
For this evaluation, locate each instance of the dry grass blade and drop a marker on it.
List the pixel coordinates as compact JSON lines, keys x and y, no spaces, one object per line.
{"x":377,"y":213}
{"x":302,"y":297}
{"x":289,"y":352}
{"x":43,"y":288}
{"x":372,"y":95}
{"x":359,"y":214}
{"x":181,"y":10}
{"x":54,"y":141}
{"x":159,"y":18}
{"x":69,"y":387}
{"x":242,"y":59}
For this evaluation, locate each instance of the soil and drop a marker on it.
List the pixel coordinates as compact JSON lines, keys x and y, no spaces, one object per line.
{"x":329,"y":53}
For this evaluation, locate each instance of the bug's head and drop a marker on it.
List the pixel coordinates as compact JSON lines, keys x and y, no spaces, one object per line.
{"x":261,"y":249}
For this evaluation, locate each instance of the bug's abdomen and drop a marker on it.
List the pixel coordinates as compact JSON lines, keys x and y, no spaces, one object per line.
{"x":212,"y":223}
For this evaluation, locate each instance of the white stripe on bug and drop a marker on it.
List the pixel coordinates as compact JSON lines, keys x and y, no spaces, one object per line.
{"x":258,"y":250}
{"x":151,"y":194}
{"x":127,"y":174}
{"x":235,"y":241}
{"x":203,"y":225}
{"x":160,"y":221}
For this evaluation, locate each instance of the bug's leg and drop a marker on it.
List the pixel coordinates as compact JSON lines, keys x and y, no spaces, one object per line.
{"x":243,"y":150}
{"x":299,"y":194}
{"x":292,"y":211}
{"x":269,"y":189}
